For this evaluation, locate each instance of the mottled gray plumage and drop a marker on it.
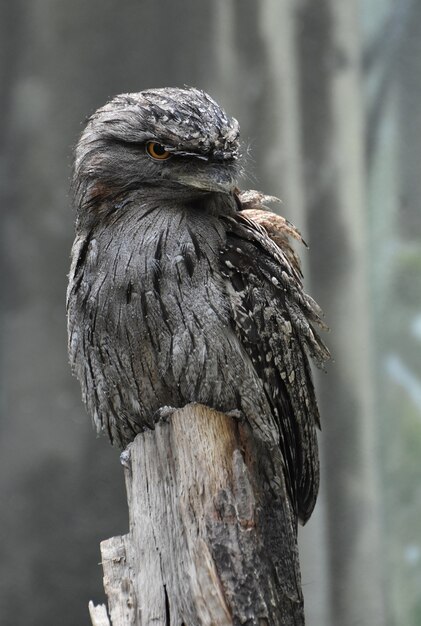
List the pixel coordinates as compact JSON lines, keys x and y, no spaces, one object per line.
{"x":182,"y":289}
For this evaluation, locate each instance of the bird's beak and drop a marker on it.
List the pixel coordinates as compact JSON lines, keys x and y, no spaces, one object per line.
{"x":217,"y":179}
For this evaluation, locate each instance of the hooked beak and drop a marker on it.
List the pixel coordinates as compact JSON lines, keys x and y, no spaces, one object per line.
{"x":210,"y":178}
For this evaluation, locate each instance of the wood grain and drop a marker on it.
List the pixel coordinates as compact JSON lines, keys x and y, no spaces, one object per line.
{"x":212,"y":539}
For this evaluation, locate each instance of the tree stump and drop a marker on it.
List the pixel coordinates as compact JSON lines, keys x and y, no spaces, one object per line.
{"x":212,"y":538}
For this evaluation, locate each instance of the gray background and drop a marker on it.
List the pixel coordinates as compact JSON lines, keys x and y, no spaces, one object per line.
{"x":327,"y":93}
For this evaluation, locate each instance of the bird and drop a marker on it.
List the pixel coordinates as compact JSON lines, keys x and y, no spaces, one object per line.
{"x":185,"y":289}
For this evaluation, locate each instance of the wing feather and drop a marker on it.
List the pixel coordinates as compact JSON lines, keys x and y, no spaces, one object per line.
{"x":275,"y":321}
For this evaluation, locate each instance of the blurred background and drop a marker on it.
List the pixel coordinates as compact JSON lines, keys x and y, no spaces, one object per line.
{"x":328,"y":95}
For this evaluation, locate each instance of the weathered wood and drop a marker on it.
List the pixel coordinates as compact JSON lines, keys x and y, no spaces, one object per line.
{"x":98,"y":615}
{"x":118,"y":580}
{"x":212,"y":538}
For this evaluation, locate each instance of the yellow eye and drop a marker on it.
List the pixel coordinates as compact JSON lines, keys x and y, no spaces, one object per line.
{"x":156,"y":151}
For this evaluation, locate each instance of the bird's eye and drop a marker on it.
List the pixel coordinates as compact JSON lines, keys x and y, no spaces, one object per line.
{"x":156,"y":151}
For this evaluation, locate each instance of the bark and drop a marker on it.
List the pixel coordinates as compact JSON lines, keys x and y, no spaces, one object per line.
{"x":212,"y":537}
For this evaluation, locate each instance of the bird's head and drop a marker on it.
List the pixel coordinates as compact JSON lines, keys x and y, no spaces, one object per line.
{"x":166,"y":140}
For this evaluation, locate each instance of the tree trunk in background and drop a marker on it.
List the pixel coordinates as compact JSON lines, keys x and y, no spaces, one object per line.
{"x":400,"y":333}
{"x":258,"y":81}
{"x":333,"y":150}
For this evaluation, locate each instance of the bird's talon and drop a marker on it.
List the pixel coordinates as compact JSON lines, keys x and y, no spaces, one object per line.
{"x":237,"y":415}
{"x":125,"y":459}
{"x":163,"y":414}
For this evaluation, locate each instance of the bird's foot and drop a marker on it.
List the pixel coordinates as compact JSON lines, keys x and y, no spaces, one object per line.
{"x":163,"y":414}
{"x":236,"y":414}
{"x":125,"y":458}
